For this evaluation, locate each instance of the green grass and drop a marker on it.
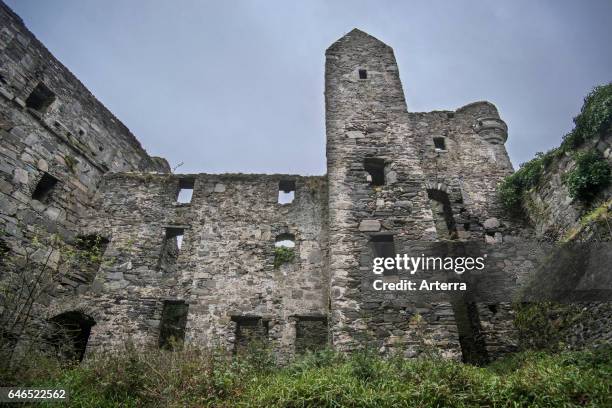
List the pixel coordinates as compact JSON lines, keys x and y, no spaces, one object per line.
{"x":192,"y":378}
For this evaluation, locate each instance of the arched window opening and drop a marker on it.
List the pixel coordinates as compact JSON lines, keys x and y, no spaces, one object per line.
{"x":69,"y":334}
{"x":285,"y":241}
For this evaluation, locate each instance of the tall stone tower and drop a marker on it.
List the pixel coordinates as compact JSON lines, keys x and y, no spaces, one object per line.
{"x":397,"y":180}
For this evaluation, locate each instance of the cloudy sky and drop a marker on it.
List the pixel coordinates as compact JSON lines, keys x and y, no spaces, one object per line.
{"x":237,"y":86}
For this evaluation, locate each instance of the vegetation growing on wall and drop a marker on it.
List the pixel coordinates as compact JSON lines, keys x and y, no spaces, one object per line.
{"x":590,"y":174}
{"x":283,"y":255}
{"x":601,"y":215}
{"x":594,"y":120}
{"x":543,"y":325}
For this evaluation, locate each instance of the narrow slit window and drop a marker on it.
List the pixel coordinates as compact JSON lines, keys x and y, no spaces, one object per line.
{"x":173,"y":242}
{"x":376,"y":171}
{"x":439,"y":143}
{"x":442,"y":214}
{"x":185,"y":192}
{"x":43,"y":189}
{"x":40,"y":98}
{"x":172,"y":325}
{"x":176,"y":235}
{"x":363,"y":74}
{"x":383,"y":246}
{"x":286,"y":191}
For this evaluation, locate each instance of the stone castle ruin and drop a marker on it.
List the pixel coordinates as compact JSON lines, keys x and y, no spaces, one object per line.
{"x":251,"y":258}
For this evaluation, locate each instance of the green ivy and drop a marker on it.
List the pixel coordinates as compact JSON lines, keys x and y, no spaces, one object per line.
{"x":283,"y":255}
{"x":589,"y":176}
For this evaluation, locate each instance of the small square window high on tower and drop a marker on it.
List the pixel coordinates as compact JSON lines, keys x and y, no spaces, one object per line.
{"x":375,"y":168}
{"x":363,"y":74}
{"x":439,"y":143}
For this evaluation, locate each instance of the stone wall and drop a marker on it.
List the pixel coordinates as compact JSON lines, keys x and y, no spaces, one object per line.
{"x":225,"y":268}
{"x":555,"y":216}
{"x":51,"y":124}
{"x":57,"y":143}
{"x":209,"y":272}
{"x":370,"y":130}
{"x":549,"y":207}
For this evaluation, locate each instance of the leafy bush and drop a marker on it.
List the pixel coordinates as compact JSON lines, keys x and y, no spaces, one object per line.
{"x":590,"y":174}
{"x":595,"y":118}
{"x":283,"y":255}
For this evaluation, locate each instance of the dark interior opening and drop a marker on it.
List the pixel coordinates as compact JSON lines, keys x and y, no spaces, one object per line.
{"x":383,"y":246}
{"x":376,"y":169}
{"x":443,"y":214}
{"x":70,"y":333}
{"x":40,"y":98}
{"x":251,"y":333}
{"x":173,"y":242}
{"x":439,"y":143}
{"x":471,"y":337}
{"x":172,"y":325}
{"x":310,"y":333}
{"x":43,"y":189}
{"x":363,"y":74}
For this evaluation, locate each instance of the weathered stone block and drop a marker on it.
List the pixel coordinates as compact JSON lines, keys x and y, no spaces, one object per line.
{"x":369,"y":226}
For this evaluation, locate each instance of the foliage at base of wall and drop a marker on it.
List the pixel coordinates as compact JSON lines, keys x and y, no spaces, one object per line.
{"x":594,"y":120}
{"x":544,"y":325}
{"x":193,"y":377}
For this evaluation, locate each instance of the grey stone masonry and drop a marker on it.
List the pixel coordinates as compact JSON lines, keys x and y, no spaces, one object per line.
{"x":237,"y":265}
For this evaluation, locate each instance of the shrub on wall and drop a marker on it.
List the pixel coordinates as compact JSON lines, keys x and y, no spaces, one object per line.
{"x":283,"y":255}
{"x":589,"y":176}
{"x":512,"y":188}
{"x":595,"y":118}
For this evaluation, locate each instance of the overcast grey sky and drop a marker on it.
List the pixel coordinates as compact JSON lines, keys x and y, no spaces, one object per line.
{"x":237,"y":86}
